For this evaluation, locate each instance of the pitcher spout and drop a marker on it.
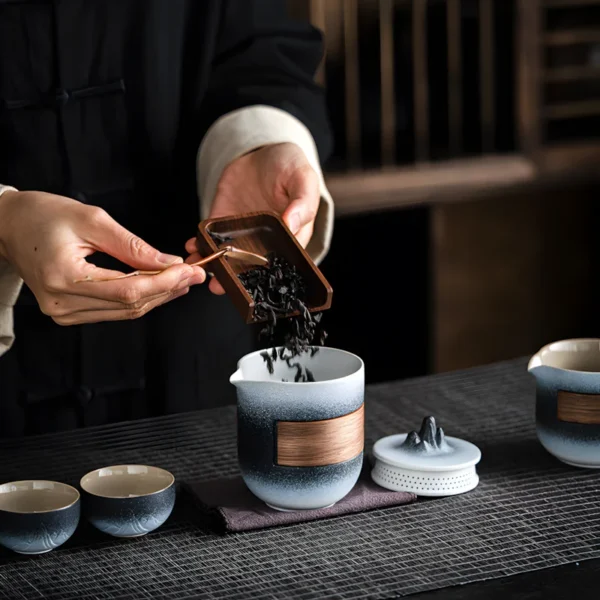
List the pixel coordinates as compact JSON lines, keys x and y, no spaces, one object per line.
{"x":535,"y":362}
{"x":236,"y":378}
{"x":538,"y":366}
{"x":246,"y":378}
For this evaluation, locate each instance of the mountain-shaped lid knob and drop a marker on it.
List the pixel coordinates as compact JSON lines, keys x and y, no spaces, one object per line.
{"x":429,"y":439}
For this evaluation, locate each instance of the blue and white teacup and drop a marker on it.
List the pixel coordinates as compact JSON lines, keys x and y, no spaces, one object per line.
{"x":37,"y":516}
{"x":128,"y":500}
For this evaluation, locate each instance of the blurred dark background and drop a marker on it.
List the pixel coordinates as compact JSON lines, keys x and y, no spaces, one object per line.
{"x":465,"y":174}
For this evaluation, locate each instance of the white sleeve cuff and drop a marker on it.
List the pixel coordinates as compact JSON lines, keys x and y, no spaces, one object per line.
{"x":10,"y":287}
{"x":246,"y":129}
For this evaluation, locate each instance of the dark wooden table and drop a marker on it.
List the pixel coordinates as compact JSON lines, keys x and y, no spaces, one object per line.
{"x":519,"y":535}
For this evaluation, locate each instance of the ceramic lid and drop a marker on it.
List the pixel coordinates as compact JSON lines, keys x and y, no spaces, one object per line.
{"x":428,"y":450}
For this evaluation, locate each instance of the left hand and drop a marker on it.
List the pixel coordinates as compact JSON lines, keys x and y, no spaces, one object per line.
{"x":277,"y":177}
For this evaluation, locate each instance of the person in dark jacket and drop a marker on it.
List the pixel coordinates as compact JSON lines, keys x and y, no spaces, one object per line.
{"x":122,"y":124}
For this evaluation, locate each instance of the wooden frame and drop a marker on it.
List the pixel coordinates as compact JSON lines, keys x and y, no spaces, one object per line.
{"x":458,"y":180}
{"x":394,"y":185}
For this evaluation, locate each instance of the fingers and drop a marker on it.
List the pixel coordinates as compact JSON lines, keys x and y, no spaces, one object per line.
{"x":191,"y":246}
{"x":215,"y":287}
{"x":124,"y":314}
{"x":305,"y":234}
{"x":135,"y":289}
{"x":67,"y":304}
{"x":193,"y":258}
{"x":105,"y":234}
{"x":70,"y":303}
{"x":303,"y":190}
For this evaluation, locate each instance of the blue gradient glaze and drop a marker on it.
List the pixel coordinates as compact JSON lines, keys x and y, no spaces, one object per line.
{"x":262,"y":403}
{"x":129,"y":517}
{"x":573,"y":443}
{"x":37,"y":533}
{"x":304,"y":488}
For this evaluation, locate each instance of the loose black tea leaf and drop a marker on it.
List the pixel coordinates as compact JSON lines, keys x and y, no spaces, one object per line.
{"x":219,"y":238}
{"x":279,"y":289}
{"x":299,"y":373}
{"x":267,"y":358}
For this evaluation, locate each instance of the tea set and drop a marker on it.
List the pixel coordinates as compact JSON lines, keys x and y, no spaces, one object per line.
{"x":311,"y":448}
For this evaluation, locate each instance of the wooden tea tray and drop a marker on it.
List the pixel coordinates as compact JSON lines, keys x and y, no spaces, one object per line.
{"x":260,"y":232}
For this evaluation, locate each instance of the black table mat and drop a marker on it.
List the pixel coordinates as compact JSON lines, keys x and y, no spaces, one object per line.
{"x":529,"y":511}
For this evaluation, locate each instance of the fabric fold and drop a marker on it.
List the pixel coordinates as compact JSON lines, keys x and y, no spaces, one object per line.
{"x":10,"y":287}
{"x":230,"y":507}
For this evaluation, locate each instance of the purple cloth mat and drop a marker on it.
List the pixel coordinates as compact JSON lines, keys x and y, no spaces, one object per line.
{"x":233,"y":508}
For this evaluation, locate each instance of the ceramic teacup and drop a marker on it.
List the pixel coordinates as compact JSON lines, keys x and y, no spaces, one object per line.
{"x":300,"y":445}
{"x":567,"y":377}
{"x":128,"y":500}
{"x":37,"y":516}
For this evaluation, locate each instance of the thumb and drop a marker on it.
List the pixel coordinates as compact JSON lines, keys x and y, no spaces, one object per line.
{"x":108,"y":236}
{"x":303,"y":191}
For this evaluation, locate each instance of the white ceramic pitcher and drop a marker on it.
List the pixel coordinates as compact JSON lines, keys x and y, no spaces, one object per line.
{"x":300,"y":445}
{"x":567,"y":377}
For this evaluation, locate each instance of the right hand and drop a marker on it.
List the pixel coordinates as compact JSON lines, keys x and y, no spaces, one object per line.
{"x":47,"y":239}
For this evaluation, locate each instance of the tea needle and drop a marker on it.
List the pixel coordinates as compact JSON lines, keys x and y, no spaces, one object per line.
{"x":230,"y":251}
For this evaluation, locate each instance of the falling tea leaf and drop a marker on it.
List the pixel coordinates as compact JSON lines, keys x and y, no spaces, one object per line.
{"x":296,"y":333}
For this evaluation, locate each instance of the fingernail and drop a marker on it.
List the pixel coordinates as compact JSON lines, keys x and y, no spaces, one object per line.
{"x":169,"y":259}
{"x":294,"y":223}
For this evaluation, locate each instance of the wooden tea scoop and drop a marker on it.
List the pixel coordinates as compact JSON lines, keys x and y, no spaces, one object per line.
{"x":229,"y":251}
{"x":265,"y":233}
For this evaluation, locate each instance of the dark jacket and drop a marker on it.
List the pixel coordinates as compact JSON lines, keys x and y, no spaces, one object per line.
{"x":107,"y":102}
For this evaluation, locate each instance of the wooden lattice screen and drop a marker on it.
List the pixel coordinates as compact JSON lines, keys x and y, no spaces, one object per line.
{"x":434,"y":99}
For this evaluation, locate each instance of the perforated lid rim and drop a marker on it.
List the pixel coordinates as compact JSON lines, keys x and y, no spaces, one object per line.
{"x":431,"y":467}
{"x":418,"y":489}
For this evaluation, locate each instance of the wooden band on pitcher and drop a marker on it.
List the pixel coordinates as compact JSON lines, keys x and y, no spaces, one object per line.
{"x":578,"y":408}
{"x":320,"y":443}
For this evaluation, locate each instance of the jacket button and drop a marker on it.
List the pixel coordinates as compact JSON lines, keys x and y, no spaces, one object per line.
{"x":84,"y":395}
{"x":62,"y":97}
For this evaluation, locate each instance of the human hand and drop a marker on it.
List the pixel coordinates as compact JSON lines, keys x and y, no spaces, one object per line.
{"x":47,"y":239}
{"x":278,"y":178}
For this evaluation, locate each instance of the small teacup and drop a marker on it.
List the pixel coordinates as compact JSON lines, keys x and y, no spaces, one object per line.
{"x":128,"y":500}
{"x":37,"y":516}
